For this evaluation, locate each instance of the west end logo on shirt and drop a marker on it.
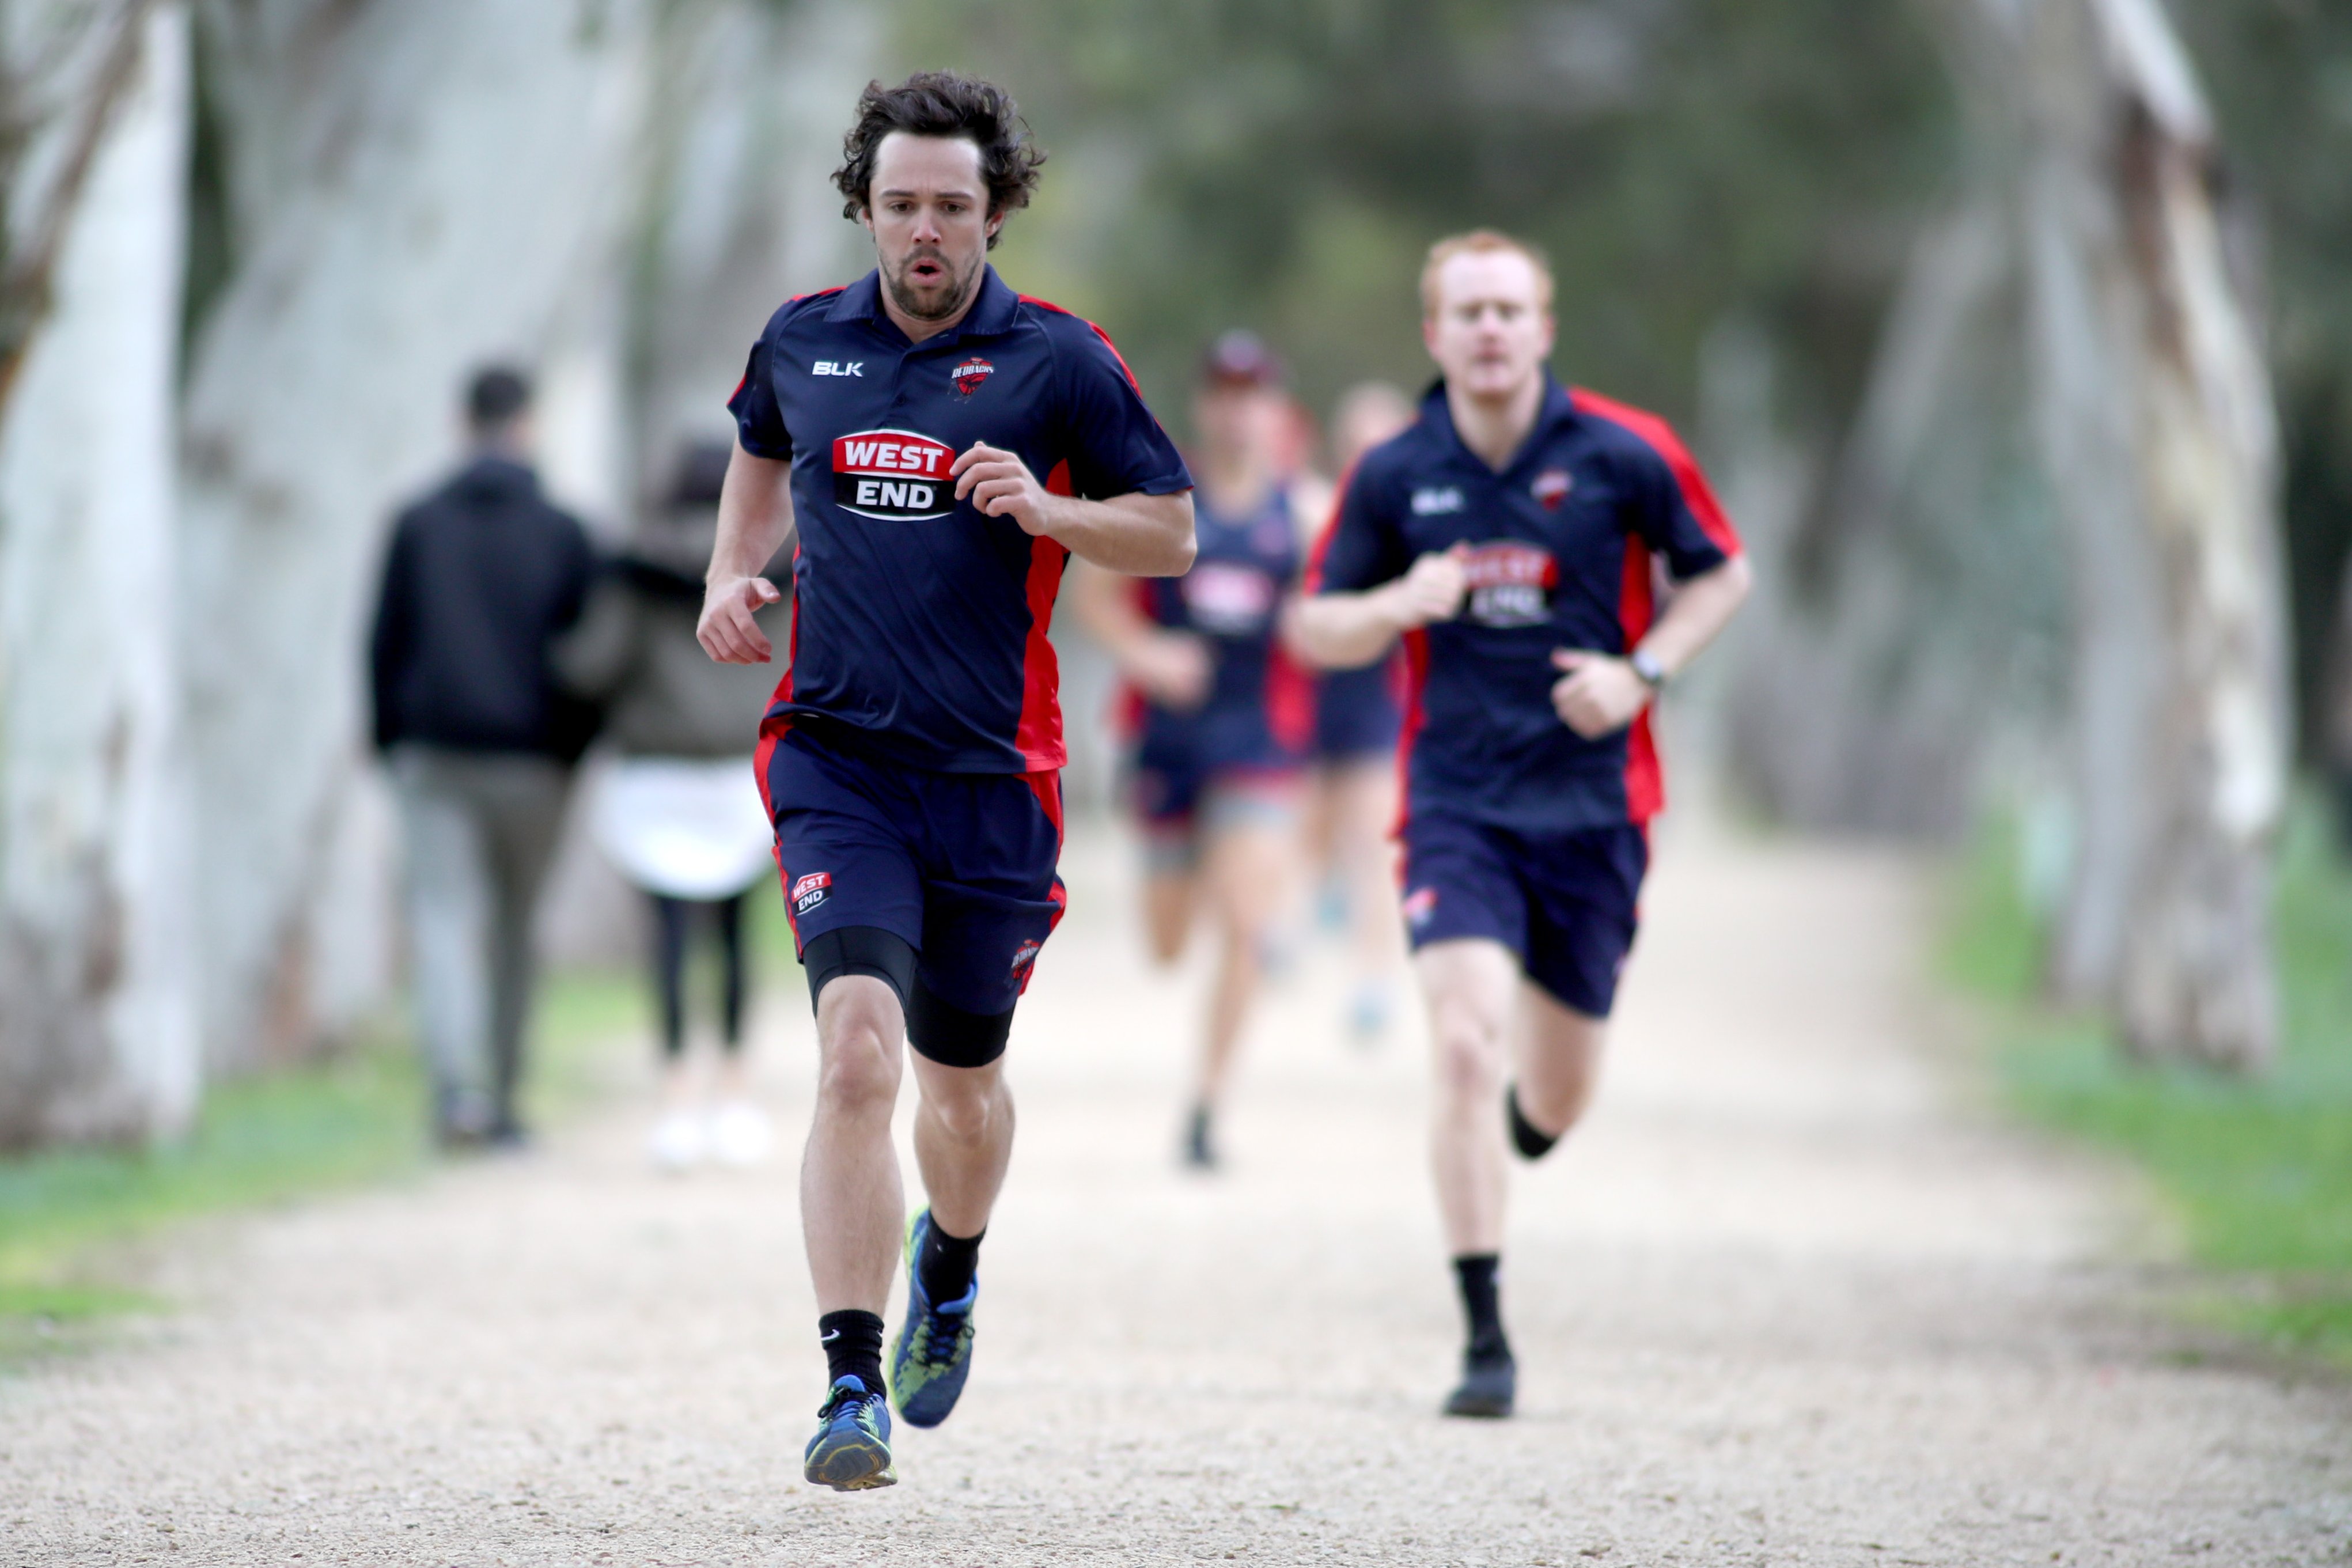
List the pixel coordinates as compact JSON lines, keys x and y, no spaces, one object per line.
{"x":971,"y":373}
{"x":1551,"y":488}
{"x":1226,"y":600}
{"x":892,"y":475}
{"x":1511,"y":583}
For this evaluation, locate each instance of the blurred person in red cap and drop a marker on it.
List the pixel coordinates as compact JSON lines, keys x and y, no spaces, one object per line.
{"x":1218,"y":715}
{"x":1351,"y":794}
{"x":481,"y":578}
{"x":677,"y":813}
{"x":943,"y":446}
{"x":1509,"y":536}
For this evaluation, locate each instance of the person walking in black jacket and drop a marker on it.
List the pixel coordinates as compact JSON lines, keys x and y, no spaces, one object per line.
{"x":482,"y":576}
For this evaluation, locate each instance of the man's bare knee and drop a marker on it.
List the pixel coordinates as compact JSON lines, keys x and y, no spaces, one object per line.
{"x":1469,"y":1046}
{"x":859,"y":1065}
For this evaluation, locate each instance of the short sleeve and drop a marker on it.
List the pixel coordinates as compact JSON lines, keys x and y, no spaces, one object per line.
{"x":1676,"y":513}
{"x":1116,"y":446}
{"x":1361,"y":546}
{"x":759,"y":423}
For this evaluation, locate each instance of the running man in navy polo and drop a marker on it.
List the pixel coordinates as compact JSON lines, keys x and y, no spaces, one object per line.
{"x":948,"y":445}
{"x":1511,"y":535}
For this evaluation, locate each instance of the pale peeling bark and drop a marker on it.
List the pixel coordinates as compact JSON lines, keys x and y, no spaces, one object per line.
{"x":64,"y":69}
{"x":2158,"y":431}
{"x":96,"y":1026}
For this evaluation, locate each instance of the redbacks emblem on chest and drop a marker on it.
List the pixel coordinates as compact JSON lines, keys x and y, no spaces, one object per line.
{"x":892,"y":474}
{"x":1551,"y":488}
{"x":971,"y":373}
{"x":1511,"y":583}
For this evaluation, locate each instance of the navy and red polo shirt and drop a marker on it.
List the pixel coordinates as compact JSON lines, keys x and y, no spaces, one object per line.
{"x":1561,"y":545}
{"x":918,"y":624}
{"x":1259,"y":710}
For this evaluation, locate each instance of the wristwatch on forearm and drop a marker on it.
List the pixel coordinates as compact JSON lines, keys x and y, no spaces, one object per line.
{"x":1645,"y":664}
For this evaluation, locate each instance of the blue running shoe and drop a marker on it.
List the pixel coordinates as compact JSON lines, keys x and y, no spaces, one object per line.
{"x":933,"y":1355}
{"x":851,"y":1450}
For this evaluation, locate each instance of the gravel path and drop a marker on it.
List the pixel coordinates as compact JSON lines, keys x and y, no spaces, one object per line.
{"x":1786,"y":1299}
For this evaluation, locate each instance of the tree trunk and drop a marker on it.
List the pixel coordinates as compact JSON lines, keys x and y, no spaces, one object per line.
{"x":414,"y":187}
{"x":2158,"y":433}
{"x":96,"y":1028}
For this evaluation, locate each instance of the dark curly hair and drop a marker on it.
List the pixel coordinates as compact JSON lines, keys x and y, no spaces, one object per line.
{"x":941,"y":103}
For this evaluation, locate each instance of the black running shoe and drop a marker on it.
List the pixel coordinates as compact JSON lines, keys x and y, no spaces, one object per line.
{"x":1200,"y":1148}
{"x":1490,"y":1383}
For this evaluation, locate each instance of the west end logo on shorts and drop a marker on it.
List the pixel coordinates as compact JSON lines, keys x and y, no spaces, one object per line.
{"x":1024,"y":955}
{"x":1419,"y":905}
{"x":1511,"y":583}
{"x":892,"y":474}
{"x":808,"y":891}
{"x":971,"y":373}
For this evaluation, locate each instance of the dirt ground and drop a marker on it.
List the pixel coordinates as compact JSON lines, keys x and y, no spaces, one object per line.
{"x":1792,"y":1296}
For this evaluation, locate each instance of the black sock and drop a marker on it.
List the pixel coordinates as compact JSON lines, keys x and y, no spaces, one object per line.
{"x":1482,"y":1304}
{"x":946,"y":1263}
{"x":1533,"y":1140}
{"x":853,"y":1346}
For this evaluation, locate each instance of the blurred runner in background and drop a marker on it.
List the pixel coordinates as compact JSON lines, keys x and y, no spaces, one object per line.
{"x":1510,"y":535}
{"x":679,"y":813}
{"x":1218,"y":715}
{"x":1351,"y":796}
{"x":481,"y":578}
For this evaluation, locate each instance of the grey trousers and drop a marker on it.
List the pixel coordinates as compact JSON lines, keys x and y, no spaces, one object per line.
{"x":480,"y":829}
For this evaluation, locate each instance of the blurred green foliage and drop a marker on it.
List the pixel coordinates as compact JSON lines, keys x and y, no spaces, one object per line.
{"x":1222,"y":163}
{"x":2259,"y":1172}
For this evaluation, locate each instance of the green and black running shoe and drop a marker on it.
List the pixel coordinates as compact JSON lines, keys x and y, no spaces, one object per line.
{"x":851,"y":1450}
{"x":933,"y":1355}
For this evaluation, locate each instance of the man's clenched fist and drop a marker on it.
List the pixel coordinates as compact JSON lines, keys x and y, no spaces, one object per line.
{"x":1432,"y":590}
{"x":1000,"y":484}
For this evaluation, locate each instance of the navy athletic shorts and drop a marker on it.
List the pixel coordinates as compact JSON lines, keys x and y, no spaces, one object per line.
{"x":959,"y":866}
{"x":1356,"y":714}
{"x":1567,"y":903}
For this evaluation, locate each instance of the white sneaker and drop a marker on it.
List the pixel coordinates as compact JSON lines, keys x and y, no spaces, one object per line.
{"x":741,"y":1135}
{"x":678,"y":1144}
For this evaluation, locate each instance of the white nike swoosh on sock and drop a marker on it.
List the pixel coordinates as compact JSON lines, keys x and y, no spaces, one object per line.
{"x":829,"y":1336}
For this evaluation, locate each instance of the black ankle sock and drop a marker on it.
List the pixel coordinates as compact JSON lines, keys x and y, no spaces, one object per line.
{"x":1533,"y":1140}
{"x":1482,"y":1304}
{"x":946,"y":1263}
{"x":853,"y":1346}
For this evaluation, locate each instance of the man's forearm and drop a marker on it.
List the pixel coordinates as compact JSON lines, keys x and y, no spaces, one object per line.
{"x":1344,"y":631}
{"x":755,"y":517}
{"x":1140,"y":535}
{"x":1701,"y":608}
